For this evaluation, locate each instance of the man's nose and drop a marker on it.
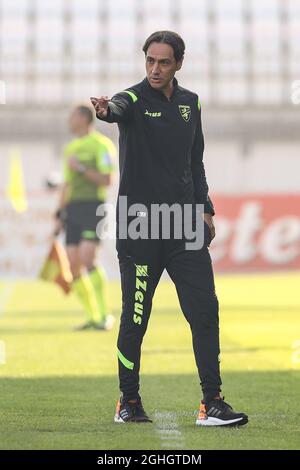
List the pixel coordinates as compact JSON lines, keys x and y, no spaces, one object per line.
{"x":155,"y":68}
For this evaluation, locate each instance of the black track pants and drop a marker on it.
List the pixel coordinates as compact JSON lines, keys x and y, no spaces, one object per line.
{"x":141,"y":265}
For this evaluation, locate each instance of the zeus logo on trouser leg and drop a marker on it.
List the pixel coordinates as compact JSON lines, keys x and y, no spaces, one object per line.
{"x":141,"y":287}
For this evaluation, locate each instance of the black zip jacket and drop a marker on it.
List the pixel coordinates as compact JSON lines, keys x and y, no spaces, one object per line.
{"x":160,"y":146}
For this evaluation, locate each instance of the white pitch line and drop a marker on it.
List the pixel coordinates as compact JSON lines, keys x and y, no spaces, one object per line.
{"x":168,"y":430}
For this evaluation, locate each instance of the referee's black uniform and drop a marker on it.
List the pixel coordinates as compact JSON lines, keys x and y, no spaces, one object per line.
{"x":161,"y":161}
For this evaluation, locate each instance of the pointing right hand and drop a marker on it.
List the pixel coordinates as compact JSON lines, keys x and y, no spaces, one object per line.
{"x":100,"y":105}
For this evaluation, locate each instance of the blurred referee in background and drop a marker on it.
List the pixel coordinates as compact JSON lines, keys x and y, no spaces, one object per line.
{"x":88,"y":165}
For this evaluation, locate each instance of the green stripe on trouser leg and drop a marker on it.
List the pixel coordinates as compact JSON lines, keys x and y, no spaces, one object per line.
{"x":128,"y":364}
{"x":99,"y":283}
{"x":85,"y":292}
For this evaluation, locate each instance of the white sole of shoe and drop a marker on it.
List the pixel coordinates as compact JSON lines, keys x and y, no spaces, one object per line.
{"x":217,"y":422}
{"x":118,"y":419}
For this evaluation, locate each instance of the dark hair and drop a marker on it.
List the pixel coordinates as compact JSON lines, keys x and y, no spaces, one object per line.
{"x":86,"y":111}
{"x":167,"y":37}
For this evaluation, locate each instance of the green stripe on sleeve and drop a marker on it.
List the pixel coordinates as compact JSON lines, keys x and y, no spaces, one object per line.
{"x":132,"y":95}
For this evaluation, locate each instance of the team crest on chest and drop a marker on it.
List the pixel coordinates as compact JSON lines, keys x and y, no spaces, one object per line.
{"x":185,"y":112}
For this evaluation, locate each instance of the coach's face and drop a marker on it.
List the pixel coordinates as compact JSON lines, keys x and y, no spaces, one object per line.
{"x":161,"y":65}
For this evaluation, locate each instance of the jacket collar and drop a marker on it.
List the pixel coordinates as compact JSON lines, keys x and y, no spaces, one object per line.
{"x":157,"y":93}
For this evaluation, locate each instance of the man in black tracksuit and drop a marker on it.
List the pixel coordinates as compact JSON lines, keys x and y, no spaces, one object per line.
{"x":161,"y":162}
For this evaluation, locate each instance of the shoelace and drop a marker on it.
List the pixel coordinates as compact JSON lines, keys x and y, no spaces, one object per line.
{"x":222,"y":403}
{"x":140,"y":407}
{"x":133,"y":406}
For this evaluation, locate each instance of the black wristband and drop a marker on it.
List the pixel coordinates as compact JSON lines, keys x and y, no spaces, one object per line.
{"x":61,"y":214}
{"x":58,"y":214}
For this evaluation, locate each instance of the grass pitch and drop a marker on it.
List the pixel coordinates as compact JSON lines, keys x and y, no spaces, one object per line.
{"x":59,"y":387}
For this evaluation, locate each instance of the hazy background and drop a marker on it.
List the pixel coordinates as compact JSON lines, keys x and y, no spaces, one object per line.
{"x":242,"y":58}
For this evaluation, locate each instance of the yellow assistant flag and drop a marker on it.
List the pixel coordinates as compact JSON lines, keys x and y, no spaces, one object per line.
{"x":16,"y":189}
{"x":56,"y":267}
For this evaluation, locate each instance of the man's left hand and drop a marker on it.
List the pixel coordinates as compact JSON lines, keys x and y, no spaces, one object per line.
{"x":208,"y":218}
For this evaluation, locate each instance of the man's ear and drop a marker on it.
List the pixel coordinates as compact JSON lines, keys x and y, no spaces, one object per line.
{"x":179,"y":64}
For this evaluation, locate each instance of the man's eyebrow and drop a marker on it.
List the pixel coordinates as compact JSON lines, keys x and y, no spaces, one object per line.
{"x":160,"y":60}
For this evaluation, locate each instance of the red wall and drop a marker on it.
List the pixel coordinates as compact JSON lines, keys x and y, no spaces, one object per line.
{"x":256,"y":233}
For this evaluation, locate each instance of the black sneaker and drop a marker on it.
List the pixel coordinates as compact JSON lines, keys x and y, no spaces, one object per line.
{"x":131,"y":412}
{"x":218,"y":413}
